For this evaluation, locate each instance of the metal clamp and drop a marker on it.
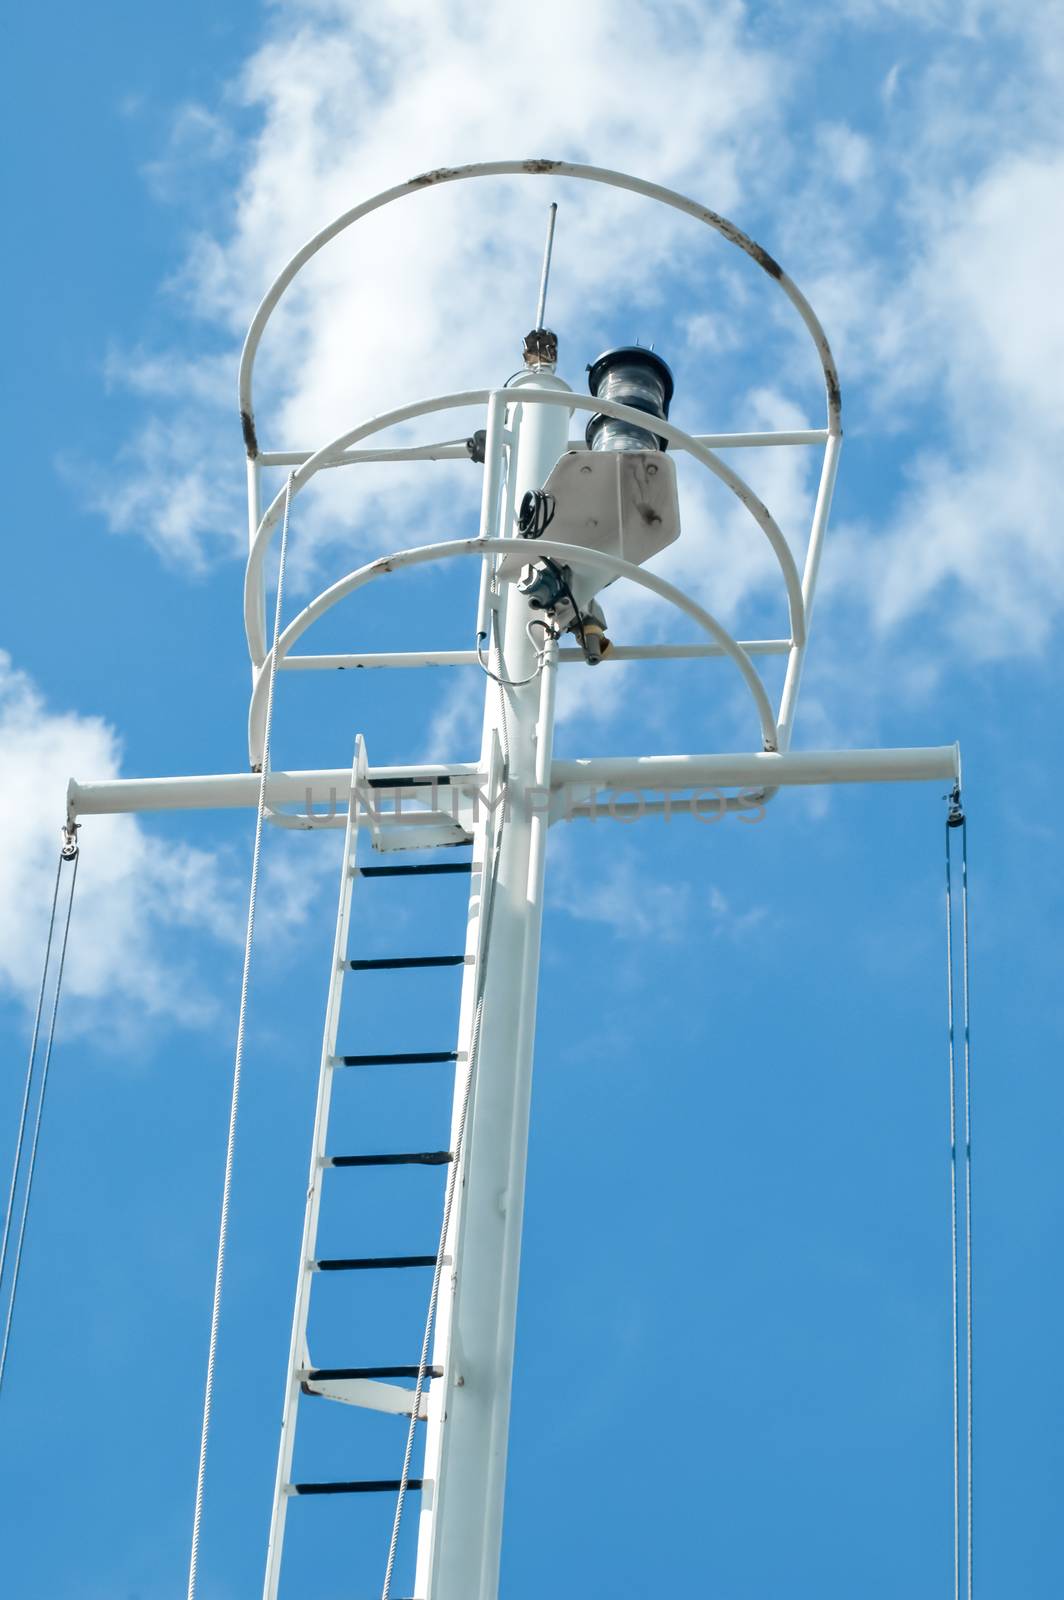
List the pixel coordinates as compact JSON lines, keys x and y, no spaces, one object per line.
{"x":955,"y":816}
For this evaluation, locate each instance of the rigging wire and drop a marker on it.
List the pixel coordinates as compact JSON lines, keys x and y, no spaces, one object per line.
{"x":956,"y":820}
{"x":69,"y":853}
{"x":34,"y":1039}
{"x":448,"y":1203}
{"x":970,"y":1303}
{"x":238,"y":1062}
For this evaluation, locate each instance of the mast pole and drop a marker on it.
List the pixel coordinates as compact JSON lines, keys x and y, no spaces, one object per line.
{"x":460,"y":1530}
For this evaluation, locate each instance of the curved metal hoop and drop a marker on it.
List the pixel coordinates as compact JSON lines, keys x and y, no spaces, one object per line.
{"x":564,"y":169}
{"x":420,"y":555}
{"x":668,"y":430}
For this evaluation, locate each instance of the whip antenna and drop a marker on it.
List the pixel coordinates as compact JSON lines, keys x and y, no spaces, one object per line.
{"x":541,"y":305}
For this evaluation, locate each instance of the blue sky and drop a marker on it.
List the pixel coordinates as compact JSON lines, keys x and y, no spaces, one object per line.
{"x":733,"y":1361}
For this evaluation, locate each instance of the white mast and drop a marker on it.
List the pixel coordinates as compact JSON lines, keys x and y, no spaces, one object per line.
{"x":502,"y":805}
{"x":465,"y":1455}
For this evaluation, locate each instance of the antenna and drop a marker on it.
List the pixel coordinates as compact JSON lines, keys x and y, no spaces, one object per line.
{"x":541,"y":306}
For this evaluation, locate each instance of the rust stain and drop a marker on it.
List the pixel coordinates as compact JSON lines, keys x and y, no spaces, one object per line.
{"x":834,"y":393}
{"x":251,"y":443}
{"x":763,"y":259}
{"x":735,"y":235}
{"x":541,"y":165}
{"x":424,"y":180}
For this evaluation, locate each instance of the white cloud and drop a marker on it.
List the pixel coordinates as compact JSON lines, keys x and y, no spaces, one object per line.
{"x":633,"y":905}
{"x":136,"y":902}
{"x":980,"y":326}
{"x":925,"y":230}
{"x":630,"y":904}
{"x":352,"y":99}
{"x":197,"y":135}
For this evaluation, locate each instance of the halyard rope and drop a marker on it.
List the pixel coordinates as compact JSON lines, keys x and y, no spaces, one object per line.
{"x":69,"y":853}
{"x":238,"y":1061}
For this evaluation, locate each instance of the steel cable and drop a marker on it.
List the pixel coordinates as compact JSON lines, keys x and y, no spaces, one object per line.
{"x":970,"y":1307}
{"x":34,"y":1040}
{"x":39,"y":1113}
{"x":956,"y":820}
{"x":238,"y":1060}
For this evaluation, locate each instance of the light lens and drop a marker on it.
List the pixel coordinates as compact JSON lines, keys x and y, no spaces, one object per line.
{"x":634,"y":377}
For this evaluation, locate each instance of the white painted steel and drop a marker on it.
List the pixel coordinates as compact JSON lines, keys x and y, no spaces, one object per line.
{"x":795,"y":768}
{"x":225,"y":791}
{"x":538,"y":168}
{"x":460,"y":1531}
{"x":576,"y":555}
{"x":258,"y":621}
{"x":448,"y":451}
{"x":821,"y":512}
{"x":253,"y":576}
{"x":800,"y":592}
{"x":298,"y":1359}
{"x":541,"y":394}
{"x":469,"y":658}
{"x":460,"y":451}
{"x":369,"y":1394}
{"x":537,"y":393}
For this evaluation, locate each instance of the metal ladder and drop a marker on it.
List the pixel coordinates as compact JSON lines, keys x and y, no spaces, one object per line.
{"x":376,"y":1388}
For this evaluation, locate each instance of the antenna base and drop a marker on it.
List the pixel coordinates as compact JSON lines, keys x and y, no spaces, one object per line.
{"x":541,"y":349}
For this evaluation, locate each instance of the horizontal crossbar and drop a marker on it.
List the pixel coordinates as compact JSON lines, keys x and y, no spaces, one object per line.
{"x":404,"y":660}
{"x":760,"y":769}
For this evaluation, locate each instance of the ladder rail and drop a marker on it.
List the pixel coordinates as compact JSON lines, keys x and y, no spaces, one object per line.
{"x":298,"y":1359}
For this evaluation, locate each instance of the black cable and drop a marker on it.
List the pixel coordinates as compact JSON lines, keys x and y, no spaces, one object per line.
{"x":507,"y":683}
{"x":536,"y":514}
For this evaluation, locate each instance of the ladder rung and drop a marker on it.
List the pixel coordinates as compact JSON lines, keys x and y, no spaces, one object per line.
{"x":403,"y":1059}
{"x":369,"y":1263}
{"x":424,"y":780}
{"x":326,"y":1374}
{"x":365,"y":1486}
{"x":412,"y":1158}
{"x":427,"y":870}
{"x":395,"y":963}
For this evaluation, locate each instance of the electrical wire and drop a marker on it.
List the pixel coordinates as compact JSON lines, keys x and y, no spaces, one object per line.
{"x":516,"y":683}
{"x":536,"y":513}
{"x":238,"y":1061}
